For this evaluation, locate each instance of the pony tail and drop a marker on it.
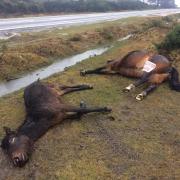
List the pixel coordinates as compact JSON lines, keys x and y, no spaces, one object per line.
{"x":174,"y":81}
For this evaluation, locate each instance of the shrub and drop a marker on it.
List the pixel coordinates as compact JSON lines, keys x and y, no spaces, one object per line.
{"x":172,"y":40}
{"x":76,"y":37}
{"x":168,"y":18}
{"x":156,"y":23}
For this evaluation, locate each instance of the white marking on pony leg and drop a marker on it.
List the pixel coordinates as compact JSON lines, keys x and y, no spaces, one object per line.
{"x":141,"y":96}
{"x":129,"y":88}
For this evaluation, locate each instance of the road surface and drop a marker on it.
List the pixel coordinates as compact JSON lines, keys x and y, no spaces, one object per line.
{"x":13,"y":25}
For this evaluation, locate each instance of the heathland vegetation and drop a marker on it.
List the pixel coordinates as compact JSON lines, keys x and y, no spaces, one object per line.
{"x":172,"y":40}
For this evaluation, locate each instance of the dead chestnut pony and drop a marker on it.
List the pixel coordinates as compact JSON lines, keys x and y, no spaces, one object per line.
{"x":44,"y":109}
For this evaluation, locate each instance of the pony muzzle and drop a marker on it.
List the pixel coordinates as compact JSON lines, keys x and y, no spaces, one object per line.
{"x":20,"y":159}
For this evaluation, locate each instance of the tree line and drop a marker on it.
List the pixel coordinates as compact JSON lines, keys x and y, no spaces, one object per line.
{"x":58,"y":6}
{"x":163,"y":3}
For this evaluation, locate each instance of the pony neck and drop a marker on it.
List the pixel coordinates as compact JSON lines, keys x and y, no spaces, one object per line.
{"x":34,"y":129}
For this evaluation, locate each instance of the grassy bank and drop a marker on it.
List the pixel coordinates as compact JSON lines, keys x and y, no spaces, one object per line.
{"x":138,"y":140}
{"x":33,"y":50}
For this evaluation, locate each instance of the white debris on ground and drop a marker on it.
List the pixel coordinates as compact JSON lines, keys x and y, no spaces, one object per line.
{"x":125,"y":38}
{"x":8,"y":35}
{"x":64,"y":34}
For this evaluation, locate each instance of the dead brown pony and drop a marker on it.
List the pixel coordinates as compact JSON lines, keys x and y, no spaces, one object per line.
{"x":153,"y":69}
{"x":44,"y":109}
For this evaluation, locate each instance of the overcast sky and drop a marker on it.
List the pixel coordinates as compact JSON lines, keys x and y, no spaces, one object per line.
{"x":178,"y":2}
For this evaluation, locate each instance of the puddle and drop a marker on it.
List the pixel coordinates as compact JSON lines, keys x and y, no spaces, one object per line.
{"x":58,"y":66}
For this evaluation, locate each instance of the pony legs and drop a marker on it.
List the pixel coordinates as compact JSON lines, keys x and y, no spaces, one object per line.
{"x":77,"y":112}
{"x":143,"y":94}
{"x":69,"y":89}
{"x":142,"y":80}
{"x":94,"y":71}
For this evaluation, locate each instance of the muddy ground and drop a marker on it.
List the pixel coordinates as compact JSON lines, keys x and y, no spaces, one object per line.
{"x":138,"y":140}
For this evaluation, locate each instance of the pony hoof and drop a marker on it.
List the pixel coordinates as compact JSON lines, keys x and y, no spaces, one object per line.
{"x":106,"y":109}
{"x":126,"y":90}
{"x":83,"y":104}
{"x":82,"y":73}
{"x":129,"y":88}
{"x":86,"y":86}
{"x":140,"y":97}
{"x":89,"y":86}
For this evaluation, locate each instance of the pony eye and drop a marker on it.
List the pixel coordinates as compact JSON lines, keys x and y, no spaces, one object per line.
{"x":12,"y":140}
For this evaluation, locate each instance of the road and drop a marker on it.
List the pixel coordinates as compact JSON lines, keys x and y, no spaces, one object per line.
{"x":42,"y":22}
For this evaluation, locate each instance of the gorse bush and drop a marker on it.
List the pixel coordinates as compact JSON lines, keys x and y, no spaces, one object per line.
{"x":172,"y":40}
{"x":168,"y":18}
{"x":76,"y":37}
{"x":156,"y":23}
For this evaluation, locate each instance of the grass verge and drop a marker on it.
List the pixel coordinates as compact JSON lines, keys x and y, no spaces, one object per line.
{"x":33,"y":50}
{"x":138,"y":140}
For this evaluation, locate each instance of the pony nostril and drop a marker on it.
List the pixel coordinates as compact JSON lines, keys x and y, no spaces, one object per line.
{"x":16,"y":161}
{"x":20,"y":159}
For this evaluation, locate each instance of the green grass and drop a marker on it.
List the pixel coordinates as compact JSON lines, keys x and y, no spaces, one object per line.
{"x":138,"y":140}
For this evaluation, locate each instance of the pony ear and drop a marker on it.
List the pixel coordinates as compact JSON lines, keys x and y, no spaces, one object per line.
{"x":7,"y":130}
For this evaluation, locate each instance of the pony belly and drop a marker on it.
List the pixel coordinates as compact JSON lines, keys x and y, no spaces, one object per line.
{"x":130,"y":72}
{"x":158,"y":78}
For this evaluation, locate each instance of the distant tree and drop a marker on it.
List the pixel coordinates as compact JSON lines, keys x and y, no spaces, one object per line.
{"x":163,"y":3}
{"x":167,"y":3}
{"x":156,"y":2}
{"x":50,"y":6}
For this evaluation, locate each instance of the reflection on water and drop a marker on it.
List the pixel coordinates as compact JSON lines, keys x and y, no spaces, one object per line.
{"x":58,"y":66}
